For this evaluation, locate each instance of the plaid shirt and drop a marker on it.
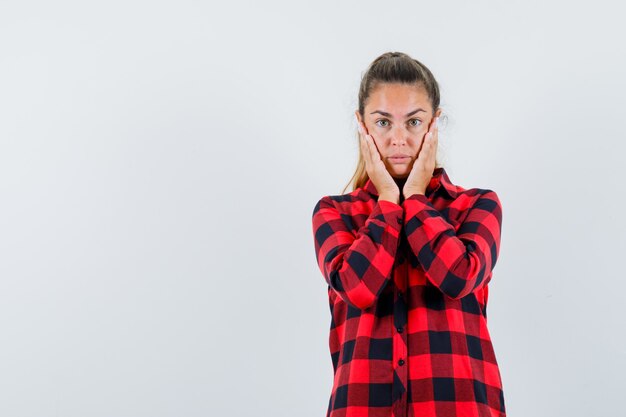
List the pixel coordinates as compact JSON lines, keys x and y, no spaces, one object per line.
{"x":407,"y":288}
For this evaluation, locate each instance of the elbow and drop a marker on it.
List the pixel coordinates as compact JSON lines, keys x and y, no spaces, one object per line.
{"x":465,"y":277}
{"x":359,"y":297}
{"x":456,"y":288}
{"x":362,"y":300}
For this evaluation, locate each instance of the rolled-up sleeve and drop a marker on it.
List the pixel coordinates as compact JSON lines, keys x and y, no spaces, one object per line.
{"x":356,"y":263}
{"x":457,"y":262}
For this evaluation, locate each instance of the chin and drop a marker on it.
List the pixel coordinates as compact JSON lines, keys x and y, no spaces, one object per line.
{"x":400,"y":175}
{"x":398,"y":172}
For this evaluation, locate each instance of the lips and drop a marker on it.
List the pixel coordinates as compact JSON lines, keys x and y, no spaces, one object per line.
{"x":399,"y":158}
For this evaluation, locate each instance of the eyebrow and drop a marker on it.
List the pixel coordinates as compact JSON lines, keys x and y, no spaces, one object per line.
{"x":389,"y":115}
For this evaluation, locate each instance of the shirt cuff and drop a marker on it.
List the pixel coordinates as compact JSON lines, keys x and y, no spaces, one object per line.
{"x":417,"y":202}
{"x":389,"y":213}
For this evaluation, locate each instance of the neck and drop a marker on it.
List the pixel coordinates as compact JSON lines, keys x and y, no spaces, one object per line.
{"x":400,"y":182}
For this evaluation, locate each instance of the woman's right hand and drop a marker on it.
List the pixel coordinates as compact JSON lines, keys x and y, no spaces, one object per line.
{"x":375,"y":167}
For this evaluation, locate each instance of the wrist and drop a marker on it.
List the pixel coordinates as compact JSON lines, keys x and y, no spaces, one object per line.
{"x":408,"y":193}
{"x":393,"y":197}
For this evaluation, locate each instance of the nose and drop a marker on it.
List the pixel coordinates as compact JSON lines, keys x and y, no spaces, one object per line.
{"x":399,"y":136}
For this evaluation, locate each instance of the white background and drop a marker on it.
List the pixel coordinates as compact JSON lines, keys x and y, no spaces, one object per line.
{"x":159,"y":165}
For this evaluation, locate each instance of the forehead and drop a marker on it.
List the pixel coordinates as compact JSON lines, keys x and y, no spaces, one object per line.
{"x":398,"y":97}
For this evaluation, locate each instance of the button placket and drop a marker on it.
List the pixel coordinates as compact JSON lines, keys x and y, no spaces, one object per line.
{"x":400,"y":350}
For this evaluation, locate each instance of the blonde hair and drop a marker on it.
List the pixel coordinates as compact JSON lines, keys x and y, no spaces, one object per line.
{"x":392,"y":67}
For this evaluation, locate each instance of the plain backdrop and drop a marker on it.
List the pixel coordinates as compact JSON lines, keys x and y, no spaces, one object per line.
{"x":160,"y":162}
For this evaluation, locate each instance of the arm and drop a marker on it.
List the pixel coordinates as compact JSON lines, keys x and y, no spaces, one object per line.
{"x":460,"y":262}
{"x":357,"y":264}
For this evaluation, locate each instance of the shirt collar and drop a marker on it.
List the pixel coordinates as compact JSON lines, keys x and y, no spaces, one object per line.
{"x":439,"y":181}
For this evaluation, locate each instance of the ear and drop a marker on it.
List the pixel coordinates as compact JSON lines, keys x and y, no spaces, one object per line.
{"x":438,"y":112}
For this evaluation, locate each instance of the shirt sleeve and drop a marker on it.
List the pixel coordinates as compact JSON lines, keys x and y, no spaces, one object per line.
{"x":357,"y":264}
{"x":460,"y":262}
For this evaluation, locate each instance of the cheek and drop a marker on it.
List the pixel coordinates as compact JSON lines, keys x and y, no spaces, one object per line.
{"x":420,"y":133}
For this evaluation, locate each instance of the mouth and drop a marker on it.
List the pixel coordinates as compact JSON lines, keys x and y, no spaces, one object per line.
{"x":399,"y":159}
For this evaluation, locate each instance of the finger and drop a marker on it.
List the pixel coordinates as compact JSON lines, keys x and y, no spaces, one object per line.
{"x":426,"y":150}
{"x":432,"y":145}
{"x":432,"y":128}
{"x":431,"y":149}
{"x":421,"y":145}
{"x":365,"y":150}
{"x":362,"y":128}
{"x":373,"y":148}
{"x":433,"y":124}
{"x":374,"y":153}
{"x":371,"y":158}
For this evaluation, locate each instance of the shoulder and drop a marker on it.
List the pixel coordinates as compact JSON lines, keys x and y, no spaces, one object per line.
{"x":337,"y":201}
{"x":476,"y":194}
{"x":482,"y":202}
{"x":476,"y":198}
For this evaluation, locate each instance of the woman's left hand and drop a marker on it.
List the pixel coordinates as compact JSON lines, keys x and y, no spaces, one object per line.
{"x":423,"y":167}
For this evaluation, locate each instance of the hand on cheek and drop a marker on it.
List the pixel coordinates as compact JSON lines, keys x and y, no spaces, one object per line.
{"x":424,"y":164}
{"x":375,"y":167}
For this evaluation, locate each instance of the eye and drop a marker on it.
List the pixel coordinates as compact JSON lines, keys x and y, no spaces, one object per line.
{"x":412,"y":122}
{"x":381,"y":120}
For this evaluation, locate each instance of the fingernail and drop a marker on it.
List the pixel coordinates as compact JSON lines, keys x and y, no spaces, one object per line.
{"x":437,"y":122}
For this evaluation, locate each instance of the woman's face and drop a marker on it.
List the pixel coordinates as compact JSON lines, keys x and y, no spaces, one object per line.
{"x":398,"y":116}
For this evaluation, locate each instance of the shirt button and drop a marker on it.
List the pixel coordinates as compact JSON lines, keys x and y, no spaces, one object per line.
{"x":401,"y":362}
{"x":399,"y":220}
{"x":400,"y":329}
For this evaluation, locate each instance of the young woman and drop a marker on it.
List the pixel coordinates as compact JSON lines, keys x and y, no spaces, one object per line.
{"x":408,"y":256}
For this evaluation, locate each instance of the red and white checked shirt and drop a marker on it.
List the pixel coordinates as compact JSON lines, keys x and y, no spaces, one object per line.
{"x":407,"y":288}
